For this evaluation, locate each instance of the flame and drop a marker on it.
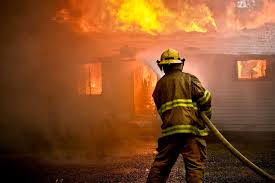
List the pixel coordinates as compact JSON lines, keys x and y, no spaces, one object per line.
{"x":149,"y":16}
{"x":152,"y":16}
{"x":90,"y":82}
{"x":251,"y":69}
{"x":83,"y":15}
{"x":137,"y":14}
{"x":144,"y":83}
{"x":164,"y":17}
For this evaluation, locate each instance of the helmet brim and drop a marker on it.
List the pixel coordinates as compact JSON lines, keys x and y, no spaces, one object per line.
{"x":170,"y":61}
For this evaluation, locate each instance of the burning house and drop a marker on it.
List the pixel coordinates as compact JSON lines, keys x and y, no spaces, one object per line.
{"x":237,"y":69}
{"x":95,"y":60}
{"x":77,"y":78}
{"x":233,"y":55}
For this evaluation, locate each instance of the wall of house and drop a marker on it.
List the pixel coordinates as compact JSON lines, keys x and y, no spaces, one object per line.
{"x":239,"y":105}
{"x":41,"y":108}
{"x":117,"y":92}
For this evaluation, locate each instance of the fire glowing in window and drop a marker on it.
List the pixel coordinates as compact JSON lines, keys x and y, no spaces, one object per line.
{"x":90,"y":82}
{"x":251,"y":69}
{"x":144,"y":83}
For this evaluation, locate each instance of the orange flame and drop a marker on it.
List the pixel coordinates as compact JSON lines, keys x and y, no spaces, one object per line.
{"x":149,"y":16}
{"x":164,"y":17}
{"x":152,"y":16}
{"x":144,"y":83}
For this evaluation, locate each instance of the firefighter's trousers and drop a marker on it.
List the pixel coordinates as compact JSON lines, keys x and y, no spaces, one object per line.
{"x":193,"y":150}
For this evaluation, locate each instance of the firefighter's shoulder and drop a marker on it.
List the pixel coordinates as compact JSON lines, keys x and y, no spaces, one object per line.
{"x":163,"y":78}
{"x":193,"y":77}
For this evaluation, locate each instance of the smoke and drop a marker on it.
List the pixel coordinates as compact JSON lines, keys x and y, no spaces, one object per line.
{"x":235,"y":15}
{"x":149,"y":58}
{"x":243,"y":14}
{"x":40,"y":113}
{"x":40,"y":109}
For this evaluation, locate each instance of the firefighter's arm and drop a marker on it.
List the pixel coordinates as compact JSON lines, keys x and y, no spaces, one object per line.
{"x":201,"y":96}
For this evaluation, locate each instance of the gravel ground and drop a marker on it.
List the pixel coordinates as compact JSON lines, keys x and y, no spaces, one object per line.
{"x":221,"y":166}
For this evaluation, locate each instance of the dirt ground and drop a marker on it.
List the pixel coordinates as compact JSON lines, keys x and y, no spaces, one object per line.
{"x":133,"y":165}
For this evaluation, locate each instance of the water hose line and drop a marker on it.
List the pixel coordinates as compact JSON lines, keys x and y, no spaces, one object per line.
{"x":235,"y":152}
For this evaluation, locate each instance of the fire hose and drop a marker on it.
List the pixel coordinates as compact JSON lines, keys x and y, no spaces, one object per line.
{"x":235,"y":152}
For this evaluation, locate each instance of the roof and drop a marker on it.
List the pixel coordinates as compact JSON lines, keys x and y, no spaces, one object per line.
{"x":97,"y":47}
{"x":249,"y":41}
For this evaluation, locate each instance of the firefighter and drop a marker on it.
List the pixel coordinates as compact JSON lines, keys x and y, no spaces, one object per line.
{"x":179,"y":98}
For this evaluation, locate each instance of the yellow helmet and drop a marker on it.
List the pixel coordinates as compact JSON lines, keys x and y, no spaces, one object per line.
{"x":170,"y":56}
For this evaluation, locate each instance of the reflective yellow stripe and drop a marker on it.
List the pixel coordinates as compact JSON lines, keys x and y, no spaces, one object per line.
{"x":177,"y":103}
{"x":204,"y":98}
{"x":178,"y":100}
{"x":184,"y":129}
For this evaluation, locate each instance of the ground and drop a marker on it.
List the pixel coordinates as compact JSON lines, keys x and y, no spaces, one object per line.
{"x":133,"y":167}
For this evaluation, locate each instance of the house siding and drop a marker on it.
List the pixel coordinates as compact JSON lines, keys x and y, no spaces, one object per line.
{"x":241,"y":105}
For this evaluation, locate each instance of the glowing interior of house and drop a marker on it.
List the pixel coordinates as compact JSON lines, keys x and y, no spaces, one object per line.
{"x":144,"y":83}
{"x":252,"y":69}
{"x":90,"y":81}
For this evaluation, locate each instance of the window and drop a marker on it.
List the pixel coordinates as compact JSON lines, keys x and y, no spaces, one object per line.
{"x":144,"y":83}
{"x":90,"y":81}
{"x":252,"y":69}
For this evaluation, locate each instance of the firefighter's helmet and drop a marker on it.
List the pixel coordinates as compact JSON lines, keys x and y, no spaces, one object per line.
{"x":170,"y":56}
